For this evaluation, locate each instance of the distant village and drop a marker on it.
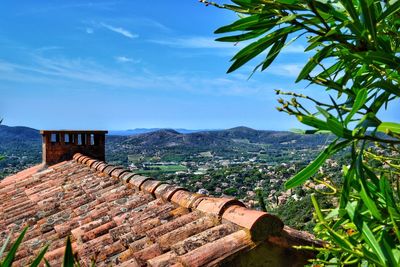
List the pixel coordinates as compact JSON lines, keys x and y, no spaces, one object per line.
{"x":241,"y":176}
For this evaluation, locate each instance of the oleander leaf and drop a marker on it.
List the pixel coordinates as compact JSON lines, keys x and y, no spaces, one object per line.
{"x":388,"y":127}
{"x":13,"y":250}
{"x":313,"y":167}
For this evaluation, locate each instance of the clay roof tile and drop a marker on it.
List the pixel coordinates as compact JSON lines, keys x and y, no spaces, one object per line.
{"x":127,"y":219}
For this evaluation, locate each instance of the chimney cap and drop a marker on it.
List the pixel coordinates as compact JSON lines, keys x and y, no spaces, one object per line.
{"x":74,"y":131}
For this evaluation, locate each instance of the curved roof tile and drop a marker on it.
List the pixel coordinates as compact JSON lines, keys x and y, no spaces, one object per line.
{"x":126,"y":219}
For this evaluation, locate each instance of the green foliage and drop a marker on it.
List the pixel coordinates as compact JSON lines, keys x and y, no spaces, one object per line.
{"x":9,"y":258}
{"x":261,"y":201}
{"x":21,"y":148}
{"x":297,"y":214}
{"x":355,"y":46}
{"x":70,"y":259}
{"x":231,"y":191}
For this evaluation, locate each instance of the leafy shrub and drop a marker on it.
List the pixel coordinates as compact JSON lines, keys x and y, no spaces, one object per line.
{"x":355,"y":45}
{"x":70,"y":259}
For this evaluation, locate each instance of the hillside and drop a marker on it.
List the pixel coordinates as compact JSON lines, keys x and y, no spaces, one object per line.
{"x":170,"y":143}
{"x":147,"y":130}
{"x":21,"y":147}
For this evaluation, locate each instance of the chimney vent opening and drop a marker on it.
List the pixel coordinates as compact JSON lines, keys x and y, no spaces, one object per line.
{"x":80,"y":140}
{"x":54,"y":138}
{"x":66,"y":138}
{"x":92,"y":143}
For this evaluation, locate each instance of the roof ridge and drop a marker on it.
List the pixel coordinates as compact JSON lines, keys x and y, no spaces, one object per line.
{"x":260,"y":224}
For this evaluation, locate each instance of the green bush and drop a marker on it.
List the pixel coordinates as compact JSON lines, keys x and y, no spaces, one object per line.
{"x":70,"y":259}
{"x":355,"y":46}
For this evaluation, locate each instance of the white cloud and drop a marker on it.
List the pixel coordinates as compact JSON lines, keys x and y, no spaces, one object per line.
{"x":123,"y":59}
{"x":293,"y":49}
{"x":6,"y":67}
{"x":148,"y":22}
{"x":49,"y":71}
{"x":48,"y":48}
{"x":198,"y":42}
{"x":195,"y":42}
{"x":119,"y":30}
{"x":288,"y":70}
{"x":89,"y":30}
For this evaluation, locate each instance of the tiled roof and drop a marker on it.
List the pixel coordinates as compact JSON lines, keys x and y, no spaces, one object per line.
{"x":125,"y":219}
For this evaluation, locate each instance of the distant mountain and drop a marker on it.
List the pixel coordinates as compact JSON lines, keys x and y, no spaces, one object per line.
{"x":147,"y":130}
{"x":233,"y":140}
{"x":18,"y":133}
{"x":21,"y":147}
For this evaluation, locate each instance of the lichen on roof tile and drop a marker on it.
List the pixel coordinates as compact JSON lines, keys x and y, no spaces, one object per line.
{"x":120,"y":218}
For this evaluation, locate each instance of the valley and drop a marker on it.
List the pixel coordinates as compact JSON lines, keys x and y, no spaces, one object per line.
{"x":241,"y":162}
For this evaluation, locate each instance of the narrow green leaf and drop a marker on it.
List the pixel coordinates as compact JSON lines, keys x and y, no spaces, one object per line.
{"x":368,"y":10}
{"x":394,"y":8}
{"x":349,"y":5}
{"x":389,"y":127}
{"x":274,"y":52}
{"x":265,"y":42}
{"x":242,"y":60}
{"x":368,"y":120}
{"x":68,"y":254}
{"x":360,"y":100}
{"x":242,"y":37}
{"x":308,"y":171}
{"x":387,"y":249}
{"x":334,"y":124}
{"x":377,"y":57}
{"x":290,"y":2}
{"x":313,"y":167}
{"x":370,"y":239}
{"x":11,"y":254}
{"x":287,"y":18}
{"x":324,"y":112}
{"x":317,"y":209}
{"x":371,"y":256}
{"x":330,"y":11}
{"x":314,"y":43}
{"x":370,"y":204}
{"x":337,"y":128}
{"x":313,"y":62}
{"x":313,"y":122}
{"x":348,"y":178}
{"x":351,"y":210}
{"x":378,"y":103}
{"x":39,"y":257}
{"x":255,"y":48}
{"x":3,"y":248}
{"x":331,"y":71}
{"x":243,"y":24}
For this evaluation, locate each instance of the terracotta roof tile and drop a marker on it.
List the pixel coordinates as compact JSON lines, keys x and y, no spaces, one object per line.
{"x":138,"y":180}
{"x":150,"y":186}
{"x":217,"y":205}
{"x":124,"y":219}
{"x":185,"y":198}
{"x":217,"y":250}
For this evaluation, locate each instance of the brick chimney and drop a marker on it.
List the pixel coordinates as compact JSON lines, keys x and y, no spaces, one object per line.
{"x":60,"y":145}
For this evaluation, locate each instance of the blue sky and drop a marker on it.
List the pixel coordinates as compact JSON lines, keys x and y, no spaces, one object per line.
{"x":131,"y":64}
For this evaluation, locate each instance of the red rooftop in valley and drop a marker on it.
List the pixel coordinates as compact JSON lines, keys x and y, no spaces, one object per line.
{"x":125,"y":219}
